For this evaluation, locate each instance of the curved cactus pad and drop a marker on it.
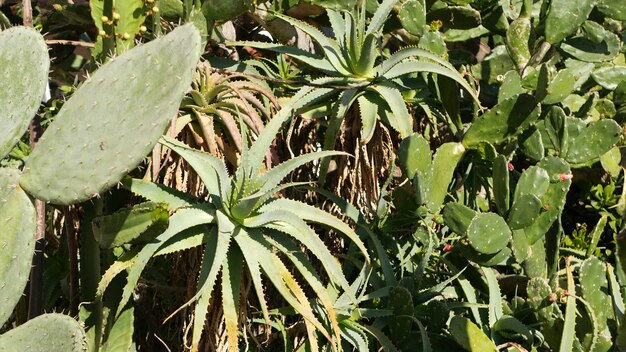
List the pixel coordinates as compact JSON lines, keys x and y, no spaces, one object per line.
{"x":488,"y":233}
{"x":109,"y":125}
{"x":24,"y":66}
{"x":17,"y":241}
{"x":46,"y":333}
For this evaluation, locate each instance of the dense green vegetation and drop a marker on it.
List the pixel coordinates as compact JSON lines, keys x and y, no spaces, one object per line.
{"x":323,"y":175}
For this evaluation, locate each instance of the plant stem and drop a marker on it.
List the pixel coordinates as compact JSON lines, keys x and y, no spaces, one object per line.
{"x":70,"y":233}
{"x":27,"y":13}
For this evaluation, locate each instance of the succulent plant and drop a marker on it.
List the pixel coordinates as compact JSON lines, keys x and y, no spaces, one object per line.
{"x":70,"y":166}
{"x":25,"y":64}
{"x":247,"y":222}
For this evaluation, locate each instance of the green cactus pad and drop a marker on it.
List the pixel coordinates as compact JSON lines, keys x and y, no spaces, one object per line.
{"x":520,"y":245}
{"x":539,"y":293}
{"x":535,"y":264}
{"x":458,"y":217}
{"x":141,"y":222}
{"x":501,"y":190}
{"x":437,"y":314}
{"x":593,"y":141}
{"x":517,"y":41}
{"x":489,"y":260}
{"x":507,"y":119}
{"x":488,"y":233}
{"x":556,"y":129}
{"x":46,"y":333}
{"x":415,"y":155}
{"x":225,"y":10}
{"x":533,"y":181}
{"x":511,"y":86}
{"x":113,"y":120}
{"x":470,"y":336}
{"x":455,"y":17}
{"x":566,"y":81}
{"x":17,"y":241}
{"x":594,"y":45}
{"x":531,"y":144}
{"x":609,"y":77}
{"x":401,"y":302}
{"x":615,"y":9}
{"x":553,"y":199}
{"x":594,"y":286}
{"x":24,"y":66}
{"x":564,"y":17}
{"x":524,"y":211}
{"x":442,"y":169}
{"x":412,"y":15}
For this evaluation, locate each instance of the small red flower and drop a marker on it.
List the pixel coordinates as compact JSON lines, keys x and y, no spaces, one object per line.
{"x":447,"y":248}
{"x":511,"y":167}
{"x":565,"y":177}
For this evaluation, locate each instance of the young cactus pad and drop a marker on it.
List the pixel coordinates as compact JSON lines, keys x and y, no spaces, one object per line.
{"x":109,"y":125}
{"x":17,"y":241}
{"x":46,"y":333}
{"x":24,"y":66}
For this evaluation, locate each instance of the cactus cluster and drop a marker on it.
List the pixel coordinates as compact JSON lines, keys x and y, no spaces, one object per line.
{"x":83,"y":152}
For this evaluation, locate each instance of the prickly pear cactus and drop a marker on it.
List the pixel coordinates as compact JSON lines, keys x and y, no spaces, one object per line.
{"x":518,"y":37}
{"x":46,"y":333}
{"x":594,"y":285}
{"x":488,"y":233}
{"x":401,"y":302}
{"x":564,"y":17}
{"x":541,"y":298}
{"x":24,"y":66}
{"x":225,"y":10}
{"x":108,"y":126}
{"x":507,"y":119}
{"x":17,"y":241}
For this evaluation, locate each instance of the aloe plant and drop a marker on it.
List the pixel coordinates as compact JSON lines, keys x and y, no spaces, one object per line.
{"x":248,"y":221}
{"x":354,"y":62}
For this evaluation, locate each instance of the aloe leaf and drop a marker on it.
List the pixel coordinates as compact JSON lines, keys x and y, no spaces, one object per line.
{"x":380,"y":16}
{"x":183,"y":219}
{"x":286,"y":222}
{"x":255,"y":275}
{"x":275,"y":175}
{"x":495,"y":297}
{"x":369,"y":116}
{"x":281,"y":242}
{"x":400,"y":119}
{"x":382,"y":338}
{"x":304,"y":97}
{"x":408,"y":54}
{"x":310,"y":213}
{"x":214,"y":256}
{"x":184,"y":240}
{"x":128,"y":225}
{"x":338,"y":25}
{"x":469,"y":336}
{"x":122,"y":263}
{"x":569,"y":327}
{"x":158,"y":193}
{"x":261,"y":255}
{"x":329,"y":46}
{"x":120,"y":337}
{"x":355,"y":336}
{"x":211,"y":170}
{"x":308,"y":58}
{"x":353,"y":213}
{"x":414,"y":66}
{"x":364,"y":65}
{"x":231,"y":284}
